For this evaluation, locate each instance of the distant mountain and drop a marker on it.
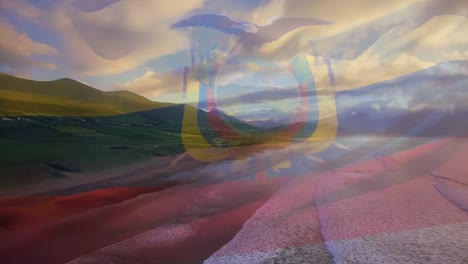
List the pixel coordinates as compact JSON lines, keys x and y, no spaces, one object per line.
{"x":66,"y":97}
{"x":234,"y":122}
{"x":429,"y":102}
{"x":267,"y":123}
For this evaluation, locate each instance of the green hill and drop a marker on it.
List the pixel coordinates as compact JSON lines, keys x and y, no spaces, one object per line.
{"x":52,"y":127}
{"x":66,"y":97}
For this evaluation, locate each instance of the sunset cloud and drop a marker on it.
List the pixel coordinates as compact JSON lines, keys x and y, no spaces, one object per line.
{"x":155,"y":85}
{"x":151,"y":84}
{"x":122,"y":36}
{"x":20,"y":58}
{"x":402,"y":51}
{"x":116,"y":38}
{"x":123,"y":44}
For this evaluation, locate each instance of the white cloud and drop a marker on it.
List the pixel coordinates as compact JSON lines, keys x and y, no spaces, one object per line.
{"x":264,"y":14}
{"x":359,"y":23}
{"x":441,"y":38}
{"x":150,"y":85}
{"x":372,"y":68}
{"x":399,"y":101}
{"x":346,"y":15}
{"x":376,"y":107}
{"x":127,"y":34}
{"x":157,"y":86}
{"x":402,"y":51}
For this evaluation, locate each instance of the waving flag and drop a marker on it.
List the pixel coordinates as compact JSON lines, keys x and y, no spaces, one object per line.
{"x":275,"y":132}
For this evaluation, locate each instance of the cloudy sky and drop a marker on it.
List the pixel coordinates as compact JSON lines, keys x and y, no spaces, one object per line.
{"x":128,"y":44}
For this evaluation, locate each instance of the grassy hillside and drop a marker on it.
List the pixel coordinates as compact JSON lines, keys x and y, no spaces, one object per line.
{"x":48,"y":128}
{"x":35,"y":148}
{"x":65,"y":97}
